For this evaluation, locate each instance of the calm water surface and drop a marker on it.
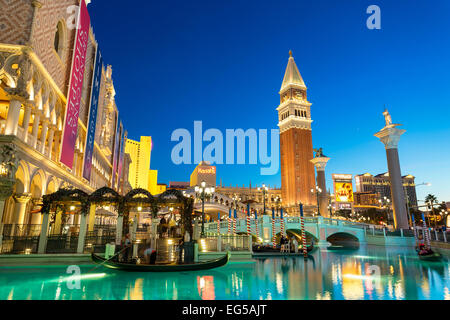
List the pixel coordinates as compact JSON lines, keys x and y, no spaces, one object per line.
{"x":368,"y":273}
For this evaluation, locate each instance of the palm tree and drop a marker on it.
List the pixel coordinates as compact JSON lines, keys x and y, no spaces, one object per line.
{"x":431,"y":199}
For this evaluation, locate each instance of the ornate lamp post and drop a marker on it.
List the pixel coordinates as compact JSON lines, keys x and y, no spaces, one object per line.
{"x":264,"y":190}
{"x":235,"y":199}
{"x":384,"y":203}
{"x":317,"y":191}
{"x":203,"y":192}
{"x":330,"y":208}
{"x":278,"y":203}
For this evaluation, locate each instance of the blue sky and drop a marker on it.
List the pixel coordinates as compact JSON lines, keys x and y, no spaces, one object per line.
{"x":222,"y":62}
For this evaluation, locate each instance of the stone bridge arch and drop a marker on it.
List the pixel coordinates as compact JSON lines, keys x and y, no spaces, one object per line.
{"x":344,"y":239}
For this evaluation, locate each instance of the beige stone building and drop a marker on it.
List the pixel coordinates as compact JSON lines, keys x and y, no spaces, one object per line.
{"x":252,"y":194}
{"x":36,"y":45}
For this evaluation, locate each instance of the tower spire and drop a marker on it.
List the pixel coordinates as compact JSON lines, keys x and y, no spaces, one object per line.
{"x":292,"y":77}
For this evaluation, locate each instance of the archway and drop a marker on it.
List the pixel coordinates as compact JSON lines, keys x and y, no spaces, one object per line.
{"x":297,"y":233}
{"x":36,"y":192}
{"x":343,"y":240}
{"x":102,"y":198}
{"x":56,"y":211}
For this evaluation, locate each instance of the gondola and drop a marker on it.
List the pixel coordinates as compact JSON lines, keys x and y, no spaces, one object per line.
{"x":261,"y":250}
{"x":162,"y":267}
{"x":342,"y":248}
{"x":430,"y":257}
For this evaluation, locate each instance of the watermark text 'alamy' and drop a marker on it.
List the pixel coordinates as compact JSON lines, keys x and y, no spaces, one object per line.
{"x":235,"y":144}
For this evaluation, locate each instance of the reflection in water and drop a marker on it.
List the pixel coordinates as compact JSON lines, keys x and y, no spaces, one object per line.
{"x":369,"y":273}
{"x":206,"y":287}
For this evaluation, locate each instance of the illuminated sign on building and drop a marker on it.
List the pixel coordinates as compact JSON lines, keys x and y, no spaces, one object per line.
{"x":343,"y":188}
{"x":90,"y":136}
{"x":343,"y":192}
{"x":210,"y":170}
{"x":70,"y":129}
{"x":204,"y":172}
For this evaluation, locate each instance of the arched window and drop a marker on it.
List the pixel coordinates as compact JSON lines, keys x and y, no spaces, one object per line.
{"x":60,"y":36}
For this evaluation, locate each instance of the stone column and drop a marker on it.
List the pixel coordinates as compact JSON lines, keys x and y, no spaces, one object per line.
{"x":35,"y":132}
{"x":21,"y":201}
{"x":36,"y":217}
{"x":92,"y":217}
{"x":320,"y":163}
{"x":58,"y":222}
{"x":119,"y":229}
{"x":6,"y":190}
{"x":44,"y":233}
{"x":82,"y":235}
{"x":75,"y":164}
{"x":51,"y":135}
{"x":12,"y":120}
{"x":26,"y":122}
{"x":43,"y":136}
{"x":390,"y":136}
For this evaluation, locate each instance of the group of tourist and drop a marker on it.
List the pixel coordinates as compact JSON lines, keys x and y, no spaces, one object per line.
{"x":169,"y":228}
{"x":288,"y":245}
{"x":126,"y":252}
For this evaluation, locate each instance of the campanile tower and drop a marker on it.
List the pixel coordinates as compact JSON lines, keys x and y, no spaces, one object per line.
{"x":296,"y":149}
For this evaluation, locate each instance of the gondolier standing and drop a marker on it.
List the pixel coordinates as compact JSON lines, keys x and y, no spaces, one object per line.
{"x":127,"y":248}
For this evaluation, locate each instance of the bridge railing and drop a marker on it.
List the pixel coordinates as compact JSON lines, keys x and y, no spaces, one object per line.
{"x":224,"y":242}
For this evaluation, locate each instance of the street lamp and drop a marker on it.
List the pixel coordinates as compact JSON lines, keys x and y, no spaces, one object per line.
{"x":408,"y":201}
{"x":264,"y":190}
{"x":203,"y":192}
{"x":384,"y":202}
{"x":317,"y":191}
{"x":235,"y":199}
{"x":278,"y":203}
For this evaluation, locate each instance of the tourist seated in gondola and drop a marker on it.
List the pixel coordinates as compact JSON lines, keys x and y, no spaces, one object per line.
{"x":424,"y":251}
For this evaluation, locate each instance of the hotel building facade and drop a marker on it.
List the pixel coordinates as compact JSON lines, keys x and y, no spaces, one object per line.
{"x":36,"y":54}
{"x":380,"y":185}
{"x":140,"y":153}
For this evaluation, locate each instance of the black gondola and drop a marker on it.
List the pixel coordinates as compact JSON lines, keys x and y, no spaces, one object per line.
{"x":430,"y":257}
{"x":161,"y":267}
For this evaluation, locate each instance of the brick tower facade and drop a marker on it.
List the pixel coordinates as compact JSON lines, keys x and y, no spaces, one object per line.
{"x":294,"y":113}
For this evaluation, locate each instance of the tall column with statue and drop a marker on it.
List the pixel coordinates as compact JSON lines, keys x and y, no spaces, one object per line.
{"x":320,"y":162}
{"x":390,"y":136}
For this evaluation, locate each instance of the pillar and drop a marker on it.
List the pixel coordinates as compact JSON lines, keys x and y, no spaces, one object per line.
{"x":320,"y":163}
{"x":43,"y":136}
{"x":92,"y":210}
{"x":390,"y":137}
{"x":75,"y":164}
{"x":6,"y":190}
{"x":58,"y":222}
{"x":20,"y":207}
{"x":36,"y":218}
{"x":44,"y":233}
{"x":119,"y":228}
{"x":322,"y":233}
{"x":26,"y":122}
{"x":12,"y":120}
{"x":82,"y":234}
{"x":2,"y":207}
{"x":35,"y":132}
{"x":51,"y":136}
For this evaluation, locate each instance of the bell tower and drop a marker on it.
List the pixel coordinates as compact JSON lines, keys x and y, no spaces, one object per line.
{"x":296,"y":148}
